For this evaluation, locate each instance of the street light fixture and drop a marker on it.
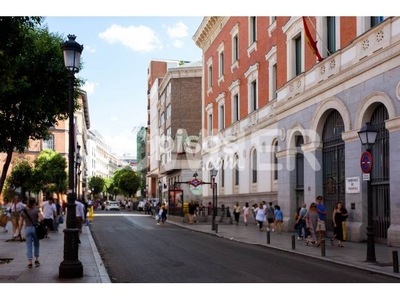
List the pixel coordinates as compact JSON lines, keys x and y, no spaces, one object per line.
{"x":71,"y":267}
{"x":367,"y":136}
{"x":214,"y":173}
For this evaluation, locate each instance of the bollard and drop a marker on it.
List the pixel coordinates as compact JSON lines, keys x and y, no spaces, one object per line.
{"x":323,"y":247}
{"x":216,"y":228}
{"x":293,"y":242}
{"x":268,"y":237}
{"x":395,"y":262}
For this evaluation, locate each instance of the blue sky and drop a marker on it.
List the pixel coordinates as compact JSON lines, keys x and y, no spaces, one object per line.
{"x":116,"y":55}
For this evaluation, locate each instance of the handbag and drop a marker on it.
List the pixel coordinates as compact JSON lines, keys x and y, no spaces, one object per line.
{"x":41,"y":228}
{"x":60,"y":219}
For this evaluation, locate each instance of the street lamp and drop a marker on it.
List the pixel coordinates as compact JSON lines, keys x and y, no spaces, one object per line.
{"x":71,"y":267}
{"x":214,"y":173}
{"x":368,"y":135}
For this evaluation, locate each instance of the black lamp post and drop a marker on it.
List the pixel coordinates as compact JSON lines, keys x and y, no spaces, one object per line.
{"x":214,"y":173}
{"x":368,"y":135}
{"x":71,"y":267}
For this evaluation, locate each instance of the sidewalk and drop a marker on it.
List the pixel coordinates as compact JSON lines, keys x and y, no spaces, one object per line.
{"x":352,"y":254}
{"x":13,"y":261}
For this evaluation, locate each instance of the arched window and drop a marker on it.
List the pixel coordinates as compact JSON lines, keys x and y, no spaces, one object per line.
{"x":275,"y":159}
{"x":254,"y":166}
{"x":236,"y":167}
{"x":223,"y":173}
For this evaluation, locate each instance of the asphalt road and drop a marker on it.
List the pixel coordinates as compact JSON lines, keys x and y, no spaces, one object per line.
{"x":136,"y":250}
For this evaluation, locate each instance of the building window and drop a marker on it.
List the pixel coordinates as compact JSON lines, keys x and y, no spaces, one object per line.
{"x":168,"y":110}
{"x":253,"y":95}
{"x":235,"y":47}
{"x":222,"y":117}
{"x":169,"y":88}
{"x":331,"y":34}
{"x":223,"y":174}
{"x":162,"y":119}
{"x":275,"y":159}
{"x":375,"y":21}
{"x":254,"y":166}
{"x":169,"y":131}
{"x":236,"y":107}
{"x":274,"y":81}
{"x":210,"y":124}
{"x":236,"y":167}
{"x":298,"y":55}
{"x":48,"y":144}
{"x":221,"y":64}
{"x":253,"y":30}
{"x":210,"y":81}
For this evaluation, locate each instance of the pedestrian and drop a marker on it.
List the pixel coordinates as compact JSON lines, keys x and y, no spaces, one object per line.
{"x":228,"y":215}
{"x":301,"y":223}
{"x":253,"y":211}
{"x":158,"y":214}
{"x":260,"y":215}
{"x":222,"y":213}
{"x":209,"y":208}
{"x":80,"y":217}
{"x":236,"y":212}
{"x":311,"y":223}
{"x":15,"y":209}
{"x":56,"y":220}
{"x":321,"y":220}
{"x":31,"y":215}
{"x":337,"y":217}
{"x":49,"y":213}
{"x":270,"y":217}
{"x":163,"y":214}
{"x":192,"y":210}
{"x":278,"y":215}
{"x":246,"y":212}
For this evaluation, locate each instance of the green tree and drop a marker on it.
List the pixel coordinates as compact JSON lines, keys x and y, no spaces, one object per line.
{"x":111,"y":187}
{"x":20,"y":176}
{"x":51,"y":174}
{"x":96,"y":184}
{"x":128,"y":181}
{"x":33,"y":84}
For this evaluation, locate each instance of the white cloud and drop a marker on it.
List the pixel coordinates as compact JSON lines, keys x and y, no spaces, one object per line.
{"x":121,"y":144}
{"x":90,"y":49}
{"x":89,"y":87}
{"x":178,"y":44}
{"x":179,"y":30}
{"x":114,"y":119}
{"x":140,"y":38}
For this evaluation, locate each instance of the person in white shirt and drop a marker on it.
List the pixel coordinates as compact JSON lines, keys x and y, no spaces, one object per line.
{"x":80,"y":217}
{"x":49,"y":211}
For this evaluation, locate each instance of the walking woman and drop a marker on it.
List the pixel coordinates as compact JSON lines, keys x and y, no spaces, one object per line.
{"x":32,"y":216}
{"x":236,"y":212}
{"x":260,"y":215}
{"x":246,"y":212}
{"x":311,"y":224}
{"x":337,"y":217}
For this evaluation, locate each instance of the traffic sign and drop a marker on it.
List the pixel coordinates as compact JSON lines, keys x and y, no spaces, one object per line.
{"x":366,"y":162}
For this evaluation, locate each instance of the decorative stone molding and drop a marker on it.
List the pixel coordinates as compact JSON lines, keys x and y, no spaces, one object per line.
{"x":393,"y":124}
{"x":312,"y":146}
{"x":350,"y":136}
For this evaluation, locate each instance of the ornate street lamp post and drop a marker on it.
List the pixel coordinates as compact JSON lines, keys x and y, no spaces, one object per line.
{"x":78,"y":169}
{"x":214,"y":173}
{"x":368,"y":135}
{"x":71,"y":267}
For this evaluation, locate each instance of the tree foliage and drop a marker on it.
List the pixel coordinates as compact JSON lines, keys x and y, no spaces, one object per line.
{"x":33,"y":84}
{"x":20,"y":176}
{"x":96,"y":184}
{"x":127,"y":181}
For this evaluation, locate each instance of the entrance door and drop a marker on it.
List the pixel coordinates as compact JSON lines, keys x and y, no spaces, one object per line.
{"x":299,"y":172}
{"x":380,"y":175}
{"x":333,"y":165}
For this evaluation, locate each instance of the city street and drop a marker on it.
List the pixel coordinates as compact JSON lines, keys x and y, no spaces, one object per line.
{"x":135,"y":250}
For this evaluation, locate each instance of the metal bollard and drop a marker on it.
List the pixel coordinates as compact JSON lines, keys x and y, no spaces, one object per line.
{"x":216,"y":228}
{"x":293,"y":242}
{"x":395,"y":262}
{"x":323,"y":247}
{"x":268,"y":237}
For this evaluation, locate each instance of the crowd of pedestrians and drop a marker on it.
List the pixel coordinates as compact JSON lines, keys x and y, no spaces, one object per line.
{"x":24,"y":217}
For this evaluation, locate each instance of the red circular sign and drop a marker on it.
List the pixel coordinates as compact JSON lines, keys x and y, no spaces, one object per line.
{"x":366,"y":162}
